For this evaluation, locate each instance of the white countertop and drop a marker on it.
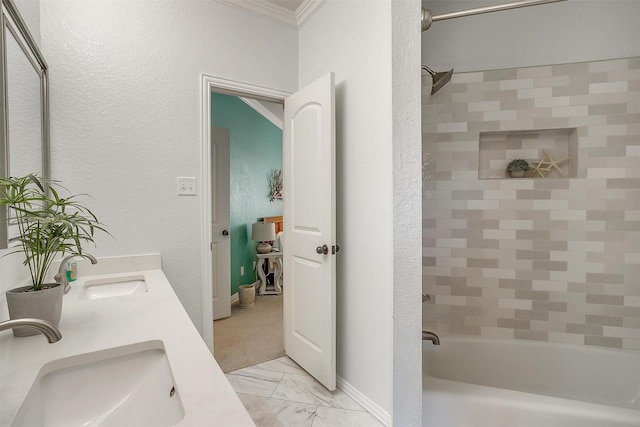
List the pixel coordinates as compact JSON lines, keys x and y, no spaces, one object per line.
{"x":93,"y":325}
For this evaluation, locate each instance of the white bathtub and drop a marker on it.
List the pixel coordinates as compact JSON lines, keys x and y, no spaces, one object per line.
{"x":476,"y":382}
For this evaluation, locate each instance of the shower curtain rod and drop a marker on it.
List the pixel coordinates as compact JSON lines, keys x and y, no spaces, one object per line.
{"x":428,"y":17}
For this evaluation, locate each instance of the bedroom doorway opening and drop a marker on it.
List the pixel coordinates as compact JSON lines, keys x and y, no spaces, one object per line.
{"x":246,"y":159}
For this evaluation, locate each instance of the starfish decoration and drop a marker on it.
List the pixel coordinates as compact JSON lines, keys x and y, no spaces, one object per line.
{"x":539,"y":169}
{"x":553,"y":163}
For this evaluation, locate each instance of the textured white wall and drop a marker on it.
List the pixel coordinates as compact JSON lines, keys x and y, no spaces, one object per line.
{"x":556,"y":33}
{"x":407,"y":214}
{"x":353,"y":39}
{"x":125,"y":113}
{"x":377,"y":127}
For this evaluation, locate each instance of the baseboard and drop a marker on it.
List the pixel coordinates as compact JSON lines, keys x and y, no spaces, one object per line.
{"x":371,"y":407}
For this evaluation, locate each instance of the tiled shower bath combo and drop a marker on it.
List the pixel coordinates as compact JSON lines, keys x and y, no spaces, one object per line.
{"x":534,"y":281}
{"x":553,"y":258}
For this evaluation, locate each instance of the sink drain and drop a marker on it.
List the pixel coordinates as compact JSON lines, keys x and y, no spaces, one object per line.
{"x":173,"y":391}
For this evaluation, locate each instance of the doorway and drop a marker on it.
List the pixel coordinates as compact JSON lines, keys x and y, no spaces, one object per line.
{"x":211,"y":84}
{"x":309,"y":227}
{"x":246,"y":154}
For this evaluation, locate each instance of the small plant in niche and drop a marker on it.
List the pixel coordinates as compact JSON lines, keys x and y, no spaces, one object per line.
{"x":518,"y":167}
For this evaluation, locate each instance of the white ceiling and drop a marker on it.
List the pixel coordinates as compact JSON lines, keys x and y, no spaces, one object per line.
{"x":292,"y":13}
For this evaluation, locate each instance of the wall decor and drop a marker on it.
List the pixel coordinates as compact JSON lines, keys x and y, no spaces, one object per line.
{"x":275,"y":185}
{"x":541,"y":167}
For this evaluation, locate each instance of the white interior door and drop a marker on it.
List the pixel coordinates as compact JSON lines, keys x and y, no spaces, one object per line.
{"x":309,"y":233}
{"x":221,"y":221}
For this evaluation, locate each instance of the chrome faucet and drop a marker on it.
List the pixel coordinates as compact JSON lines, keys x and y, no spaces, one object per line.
{"x":47,"y":328}
{"x":430,"y":336}
{"x":61,"y":277}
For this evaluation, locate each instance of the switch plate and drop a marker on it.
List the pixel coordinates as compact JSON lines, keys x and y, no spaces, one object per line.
{"x":186,"y":186}
{"x":242,"y":270}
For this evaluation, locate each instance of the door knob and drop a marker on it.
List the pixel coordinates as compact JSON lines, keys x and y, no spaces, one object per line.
{"x":225,"y":232}
{"x":324,"y":249}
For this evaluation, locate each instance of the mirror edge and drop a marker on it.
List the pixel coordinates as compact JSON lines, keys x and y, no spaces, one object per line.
{"x":9,"y":7}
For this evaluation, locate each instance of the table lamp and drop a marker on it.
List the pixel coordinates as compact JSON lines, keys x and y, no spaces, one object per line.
{"x":263,"y":232}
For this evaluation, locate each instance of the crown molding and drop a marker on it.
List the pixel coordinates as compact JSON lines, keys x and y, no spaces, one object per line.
{"x":307,"y":9}
{"x":277,"y":13}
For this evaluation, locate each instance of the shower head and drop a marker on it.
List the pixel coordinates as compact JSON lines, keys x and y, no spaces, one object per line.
{"x":425,"y":19}
{"x":439,"y":79}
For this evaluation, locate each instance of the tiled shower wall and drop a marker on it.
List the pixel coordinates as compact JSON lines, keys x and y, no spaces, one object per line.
{"x":552,"y":259}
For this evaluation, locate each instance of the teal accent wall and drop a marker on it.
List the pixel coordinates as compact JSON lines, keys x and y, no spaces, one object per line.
{"x":256,"y":149}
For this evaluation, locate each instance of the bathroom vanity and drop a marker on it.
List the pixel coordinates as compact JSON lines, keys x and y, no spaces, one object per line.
{"x":129,"y":355}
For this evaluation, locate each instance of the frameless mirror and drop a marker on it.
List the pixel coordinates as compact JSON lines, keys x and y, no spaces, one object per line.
{"x":24,"y":126}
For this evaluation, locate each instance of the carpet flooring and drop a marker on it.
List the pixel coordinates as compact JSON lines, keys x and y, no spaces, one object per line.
{"x":251,"y":335}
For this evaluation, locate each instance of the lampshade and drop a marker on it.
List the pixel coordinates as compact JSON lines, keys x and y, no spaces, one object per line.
{"x":263,"y":231}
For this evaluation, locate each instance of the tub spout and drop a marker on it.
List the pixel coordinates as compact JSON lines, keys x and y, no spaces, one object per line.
{"x":430,"y":336}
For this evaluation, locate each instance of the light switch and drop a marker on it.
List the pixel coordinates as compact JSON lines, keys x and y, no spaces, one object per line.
{"x":186,"y":186}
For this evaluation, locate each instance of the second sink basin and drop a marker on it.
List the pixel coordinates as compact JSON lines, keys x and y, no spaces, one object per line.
{"x":113,"y":287}
{"x":121,"y":386}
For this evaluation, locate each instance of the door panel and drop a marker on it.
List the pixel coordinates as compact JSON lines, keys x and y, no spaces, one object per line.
{"x":307,"y":167}
{"x":307,"y":293}
{"x":309,"y":211}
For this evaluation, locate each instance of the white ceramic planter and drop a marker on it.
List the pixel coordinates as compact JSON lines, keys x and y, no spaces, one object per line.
{"x":247,"y":295}
{"x":44,"y":304}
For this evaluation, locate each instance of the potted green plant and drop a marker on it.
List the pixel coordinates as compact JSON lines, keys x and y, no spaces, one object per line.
{"x":517,"y":168}
{"x":48,"y":226}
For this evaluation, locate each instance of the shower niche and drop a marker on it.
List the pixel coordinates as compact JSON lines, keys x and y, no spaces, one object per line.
{"x":557,"y":148}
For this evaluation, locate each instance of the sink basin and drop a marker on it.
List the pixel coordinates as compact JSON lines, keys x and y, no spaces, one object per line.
{"x":113,"y":287}
{"x":121,"y":386}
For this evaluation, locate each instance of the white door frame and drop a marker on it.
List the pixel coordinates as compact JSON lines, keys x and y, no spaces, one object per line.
{"x":230,"y":87}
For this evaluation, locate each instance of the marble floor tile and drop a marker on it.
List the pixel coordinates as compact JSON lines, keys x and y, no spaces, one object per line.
{"x":279,"y":393}
{"x":304,"y":389}
{"x":260,"y":412}
{"x":267,"y":412}
{"x":333,"y":417}
{"x":282,"y":364}
{"x":250,"y":380}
